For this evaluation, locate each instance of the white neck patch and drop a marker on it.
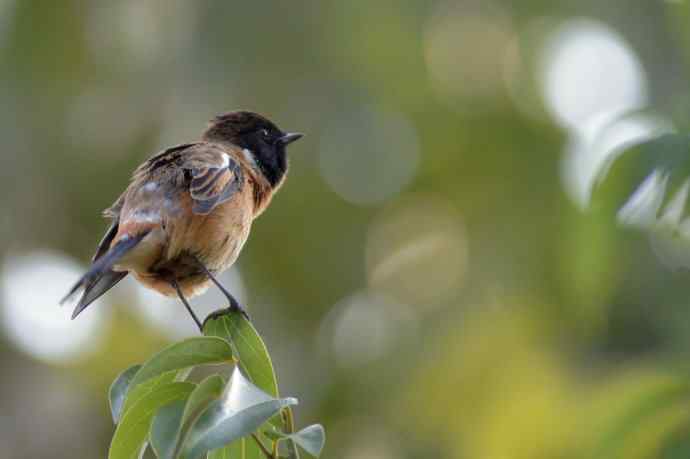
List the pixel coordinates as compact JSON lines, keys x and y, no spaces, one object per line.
{"x":249,"y":156}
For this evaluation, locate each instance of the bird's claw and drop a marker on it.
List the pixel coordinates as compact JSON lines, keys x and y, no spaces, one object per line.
{"x":231,"y":309}
{"x":236,"y":307}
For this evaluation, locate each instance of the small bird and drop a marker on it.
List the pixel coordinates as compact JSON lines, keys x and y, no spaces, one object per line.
{"x":188,"y":211}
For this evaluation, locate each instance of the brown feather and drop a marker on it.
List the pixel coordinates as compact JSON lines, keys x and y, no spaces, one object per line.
{"x":192,"y":203}
{"x":162,"y":199}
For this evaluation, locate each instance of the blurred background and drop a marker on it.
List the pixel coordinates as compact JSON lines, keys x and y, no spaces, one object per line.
{"x":430,"y":280}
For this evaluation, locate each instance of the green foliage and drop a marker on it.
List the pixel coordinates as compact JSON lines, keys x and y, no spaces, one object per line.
{"x":248,"y":348}
{"x":241,"y":419}
{"x":117,"y":392}
{"x":640,"y":182}
{"x":311,"y":439}
{"x":188,"y":353}
{"x":646,"y":186}
{"x":242,"y":411}
{"x":133,"y":428}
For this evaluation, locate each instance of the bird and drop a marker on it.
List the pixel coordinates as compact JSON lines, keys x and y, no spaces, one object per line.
{"x":188,"y":211}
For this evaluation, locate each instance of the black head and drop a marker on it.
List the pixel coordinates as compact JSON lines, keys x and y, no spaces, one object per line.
{"x":259,"y":136}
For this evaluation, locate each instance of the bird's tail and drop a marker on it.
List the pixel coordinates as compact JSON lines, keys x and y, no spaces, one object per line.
{"x":100,"y":277}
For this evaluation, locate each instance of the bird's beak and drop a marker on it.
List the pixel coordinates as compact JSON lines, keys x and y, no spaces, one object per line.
{"x":290,"y":137}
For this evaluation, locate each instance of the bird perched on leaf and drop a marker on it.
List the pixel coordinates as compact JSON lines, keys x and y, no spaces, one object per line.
{"x":188,"y":210}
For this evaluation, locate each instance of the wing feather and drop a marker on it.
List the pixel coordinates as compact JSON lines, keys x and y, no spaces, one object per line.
{"x":214,"y":178}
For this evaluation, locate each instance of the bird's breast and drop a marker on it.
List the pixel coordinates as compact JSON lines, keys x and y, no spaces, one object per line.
{"x":217,"y":238}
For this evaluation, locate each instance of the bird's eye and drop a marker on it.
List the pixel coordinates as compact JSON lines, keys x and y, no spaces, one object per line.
{"x":264,"y":132}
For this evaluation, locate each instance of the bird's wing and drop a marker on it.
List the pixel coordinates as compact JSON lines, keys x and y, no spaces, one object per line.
{"x":213,"y":177}
{"x":100,"y":278}
{"x":133,"y":217}
{"x":107,"y":239}
{"x":167,"y":157}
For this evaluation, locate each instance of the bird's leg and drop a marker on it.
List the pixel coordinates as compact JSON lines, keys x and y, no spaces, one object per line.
{"x":233,"y":305}
{"x":186,"y":305}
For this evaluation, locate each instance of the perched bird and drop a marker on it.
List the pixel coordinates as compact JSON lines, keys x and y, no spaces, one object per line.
{"x":188,"y":210}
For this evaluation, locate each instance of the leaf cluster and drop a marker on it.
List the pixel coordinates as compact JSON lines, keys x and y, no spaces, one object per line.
{"x":156,"y":407}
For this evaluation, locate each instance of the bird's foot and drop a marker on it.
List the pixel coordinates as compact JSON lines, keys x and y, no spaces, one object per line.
{"x":233,"y":308}
{"x":233,"y":304}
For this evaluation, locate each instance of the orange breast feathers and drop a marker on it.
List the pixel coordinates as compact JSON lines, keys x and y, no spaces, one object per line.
{"x":174,"y":228}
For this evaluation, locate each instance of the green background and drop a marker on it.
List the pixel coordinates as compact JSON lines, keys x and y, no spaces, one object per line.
{"x":426,"y":285}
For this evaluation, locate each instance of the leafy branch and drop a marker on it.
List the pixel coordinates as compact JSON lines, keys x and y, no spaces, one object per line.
{"x":153,"y":405}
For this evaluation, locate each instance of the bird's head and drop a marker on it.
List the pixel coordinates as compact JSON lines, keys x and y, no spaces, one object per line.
{"x":263,"y":144}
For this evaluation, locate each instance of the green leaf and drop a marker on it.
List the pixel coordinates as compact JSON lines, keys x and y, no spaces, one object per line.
{"x":639,"y":184}
{"x":185,"y":354}
{"x":242,"y":410}
{"x":165,"y":429}
{"x":217,"y":427}
{"x":170,"y":427}
{"x":134,"y":394}
{"x":208,"y":390}
{"x":133,"y":429}
{"x":250,"y":351}
{"x":311,"y":439}
{"x":247,"y":346}
{"x":118,"y":391}
{"x":167,"y":365}
{"x":244,"y":448}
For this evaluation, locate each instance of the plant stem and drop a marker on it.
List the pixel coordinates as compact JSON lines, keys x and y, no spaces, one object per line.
{"x":290,"y":420}
{"x":268,"y":454}
{"x":289,"y":423}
